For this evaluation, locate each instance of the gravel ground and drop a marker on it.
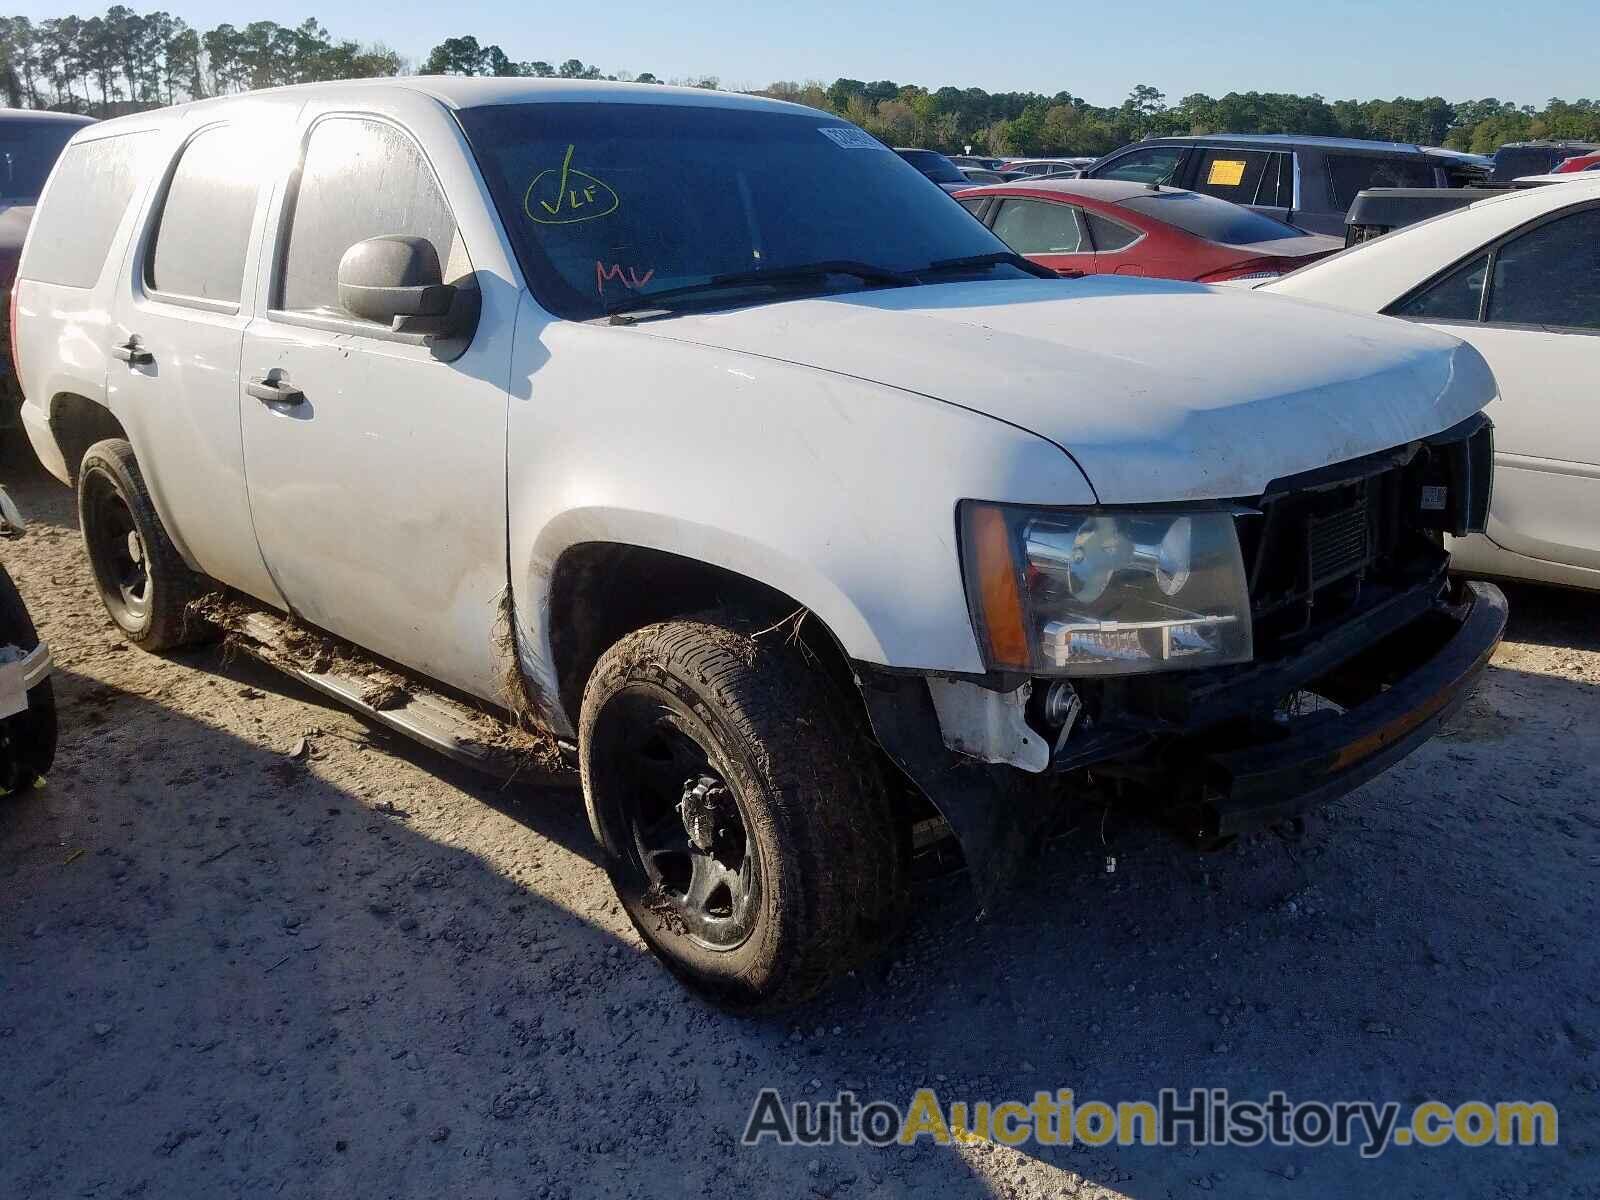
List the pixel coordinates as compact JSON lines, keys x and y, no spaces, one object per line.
{"x":229,"y":971}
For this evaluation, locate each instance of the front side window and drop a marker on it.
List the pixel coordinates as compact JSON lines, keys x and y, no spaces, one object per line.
{"x":361,"y":179}
{"x":1550,"y":275}
{"x":1352,"y":173}
{"x":1456,"y":297}
{"x":609,"y":204}
{"x":199,"y":246}
{"x":73,"y":228}
{"x":1153,"y":164}
{"x":1039,"y":227}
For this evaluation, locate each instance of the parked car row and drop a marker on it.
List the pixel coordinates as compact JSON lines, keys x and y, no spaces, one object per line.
{"x":666,"y":423}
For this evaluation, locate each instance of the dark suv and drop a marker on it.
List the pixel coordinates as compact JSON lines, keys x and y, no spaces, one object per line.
{"x":1516,"y":159}
{"x":1306,"y":181}
{"x":30,"y":143}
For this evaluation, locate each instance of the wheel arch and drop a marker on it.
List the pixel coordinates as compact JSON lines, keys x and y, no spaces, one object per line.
{"x":599,"y":591}
{"x":78,"y":422}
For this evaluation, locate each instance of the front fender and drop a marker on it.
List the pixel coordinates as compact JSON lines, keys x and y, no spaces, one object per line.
{"x":838,"y":492}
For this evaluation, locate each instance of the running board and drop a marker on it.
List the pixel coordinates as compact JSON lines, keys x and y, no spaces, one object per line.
{"x":473,"y":737}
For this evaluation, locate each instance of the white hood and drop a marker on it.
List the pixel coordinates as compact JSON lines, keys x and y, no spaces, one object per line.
{"x":1159,"y":390}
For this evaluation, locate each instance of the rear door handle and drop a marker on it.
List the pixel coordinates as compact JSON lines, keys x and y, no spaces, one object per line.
{"x":132,"y":353}
{"x":275,"y":390}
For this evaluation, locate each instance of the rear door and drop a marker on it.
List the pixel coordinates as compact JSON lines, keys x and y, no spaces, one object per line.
{"x":1051,"y":232}
{"x":179,"y":316}
{"x":1531,"y":306}
{"x":377,"y":463}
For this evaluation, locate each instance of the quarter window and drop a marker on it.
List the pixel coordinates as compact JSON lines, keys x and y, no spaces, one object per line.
{"x":1039,"y":227}
{"x":1456,"y":297}
{"x":361,"y":179}
{"x":1351,"y":173}
{"x":199,"y":247}
{"x":1108,"y":234}
{"x":72,"y":231}
{"x":1550,"y":275}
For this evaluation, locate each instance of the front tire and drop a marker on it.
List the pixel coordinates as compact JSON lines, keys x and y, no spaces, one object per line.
{"x":142,"y":580}
{"x":744,"y":820}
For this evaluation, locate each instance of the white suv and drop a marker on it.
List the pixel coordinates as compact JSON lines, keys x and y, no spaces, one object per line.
{"x":705,"y":437}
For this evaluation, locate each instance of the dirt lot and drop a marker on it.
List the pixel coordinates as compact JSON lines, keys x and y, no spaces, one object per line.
{"x":229,"y":971}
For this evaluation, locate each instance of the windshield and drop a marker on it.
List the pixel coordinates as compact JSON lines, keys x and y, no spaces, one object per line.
{"x":1212,"y":218}
{"x":608,"y":204}
{"x":28,"y":149}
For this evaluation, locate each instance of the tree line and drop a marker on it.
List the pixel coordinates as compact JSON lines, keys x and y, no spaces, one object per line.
{"x":123,"y":61}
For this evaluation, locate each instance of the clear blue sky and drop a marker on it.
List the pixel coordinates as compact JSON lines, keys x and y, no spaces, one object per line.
{"x":1465,"y":49}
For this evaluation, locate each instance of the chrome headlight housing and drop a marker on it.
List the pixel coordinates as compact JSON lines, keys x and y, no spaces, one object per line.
{"x":1105,"y":591}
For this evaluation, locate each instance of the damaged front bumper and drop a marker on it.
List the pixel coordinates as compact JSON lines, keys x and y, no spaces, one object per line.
{"x":1215,"y":752}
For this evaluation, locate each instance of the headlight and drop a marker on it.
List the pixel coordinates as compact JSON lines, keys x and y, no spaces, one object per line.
{"x":1056,"y":592}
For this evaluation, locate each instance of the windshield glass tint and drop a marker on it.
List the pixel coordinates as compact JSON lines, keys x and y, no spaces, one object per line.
{"x":28,"y":149}
{"x":607,"y":203}
{"x":1210,"y":218}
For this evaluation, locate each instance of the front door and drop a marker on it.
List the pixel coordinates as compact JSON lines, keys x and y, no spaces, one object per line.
{"x":376,"y":464}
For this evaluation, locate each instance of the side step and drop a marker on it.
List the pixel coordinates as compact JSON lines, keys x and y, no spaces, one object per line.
{"x":477,"y":738}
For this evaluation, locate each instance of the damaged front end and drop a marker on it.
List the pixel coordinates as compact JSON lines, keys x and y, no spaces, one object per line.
{"x":1326,"y":643}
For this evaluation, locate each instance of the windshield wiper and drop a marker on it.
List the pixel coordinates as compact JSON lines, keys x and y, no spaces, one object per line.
{"x":802,"y":273}
{"x":993,"y":259}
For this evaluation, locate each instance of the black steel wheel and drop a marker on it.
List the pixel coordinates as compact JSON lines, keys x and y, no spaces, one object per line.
{"x":142,"y":580}
{"x":687,"y":848}
{"x":745,"y":825}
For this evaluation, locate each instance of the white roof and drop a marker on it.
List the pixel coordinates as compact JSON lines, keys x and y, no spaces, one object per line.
{"x":460,"y":91}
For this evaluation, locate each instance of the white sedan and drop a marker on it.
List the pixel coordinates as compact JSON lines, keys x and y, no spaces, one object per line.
{"x":1517,"y":276}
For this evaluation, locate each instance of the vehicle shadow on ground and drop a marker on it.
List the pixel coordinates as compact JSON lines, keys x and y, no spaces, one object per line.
{"x":1552,"y":616}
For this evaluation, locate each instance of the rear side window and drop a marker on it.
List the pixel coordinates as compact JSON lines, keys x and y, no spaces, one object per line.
{"x":361,"y":179}
{"x":73,"y":228}
{"x":200,"y":243}
{"x":1351,"y":173}
{"x":1232,"y":174}
{"x":1039,"y":227}
{"x":1550,"y":275}
{"x":1456,"y":297}
{"x":1110,"y":235}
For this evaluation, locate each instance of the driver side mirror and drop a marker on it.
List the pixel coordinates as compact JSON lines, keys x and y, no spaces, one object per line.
{"x":396,"y":281}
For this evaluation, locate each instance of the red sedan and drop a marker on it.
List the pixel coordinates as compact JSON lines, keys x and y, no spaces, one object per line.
{"x":1111,"y":227}
{"x":1577,"y":163}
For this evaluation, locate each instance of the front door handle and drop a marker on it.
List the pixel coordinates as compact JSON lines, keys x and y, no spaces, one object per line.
{"x":132,"y":353}
{"x":275,"y":389}
{"x":1070,"y":272}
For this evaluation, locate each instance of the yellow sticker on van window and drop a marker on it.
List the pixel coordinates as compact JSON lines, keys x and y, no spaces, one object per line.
{"x":1226,"y":172}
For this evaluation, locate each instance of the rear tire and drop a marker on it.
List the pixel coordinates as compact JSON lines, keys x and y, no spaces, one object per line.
{"x":142,"y":580}
{"x":744,"y":821}
{"x":28,"y":739}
